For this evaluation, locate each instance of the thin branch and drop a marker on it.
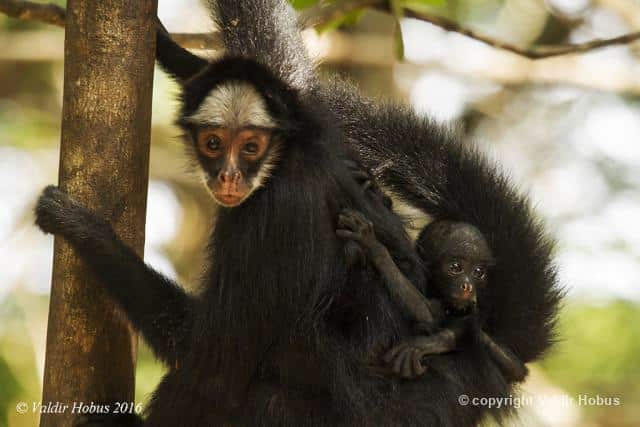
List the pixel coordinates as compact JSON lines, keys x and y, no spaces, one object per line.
{"x":30,"y":11}
{"x":210,"y":41}
{"x":533,"y":53}
{"x":327,"y":12}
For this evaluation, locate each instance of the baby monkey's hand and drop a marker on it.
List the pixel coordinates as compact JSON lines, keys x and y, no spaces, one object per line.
{"x":355,"y":226}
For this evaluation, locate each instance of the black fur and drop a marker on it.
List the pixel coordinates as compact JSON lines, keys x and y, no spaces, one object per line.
{"x":286,"y":333}
{"x":431,"y":168}
{"x":268,"y":32}
{"x":158,"y":308}
{"x":281,"y":100}
{"x":185,"y":65}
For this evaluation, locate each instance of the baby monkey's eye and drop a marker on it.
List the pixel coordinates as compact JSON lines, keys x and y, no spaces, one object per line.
{"x":480,"y":272}
{"x":455,"y":267}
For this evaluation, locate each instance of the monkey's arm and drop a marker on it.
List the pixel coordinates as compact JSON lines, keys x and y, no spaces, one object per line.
{"x":405,"y":359}
{"x":509,"y":364}
{"x":155,"y":305}
{"x":353,"y":225}
{"x":402,"y":291}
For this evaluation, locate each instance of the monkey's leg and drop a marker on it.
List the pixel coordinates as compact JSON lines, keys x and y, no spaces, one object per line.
{"x":353,"y":225}
{"x":509,"y":364}
{"x":156,"y":306}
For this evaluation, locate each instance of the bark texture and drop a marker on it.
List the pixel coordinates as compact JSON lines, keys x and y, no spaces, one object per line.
{"x":106,"y":121}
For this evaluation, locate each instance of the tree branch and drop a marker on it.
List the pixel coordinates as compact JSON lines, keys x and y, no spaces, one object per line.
{"x":533,"y":53}
{"x":327,"y":12}
{"x":30,"y":11}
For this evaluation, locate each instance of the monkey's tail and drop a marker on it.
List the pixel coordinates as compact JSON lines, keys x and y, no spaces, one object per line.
{"x":268,"y":31}
{"x":431,"y":167}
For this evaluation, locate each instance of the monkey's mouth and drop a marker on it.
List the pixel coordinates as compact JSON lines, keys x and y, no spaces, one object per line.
{"x":227,"y":196}
{"x":461,"y":302}
{"x":229,"y":199}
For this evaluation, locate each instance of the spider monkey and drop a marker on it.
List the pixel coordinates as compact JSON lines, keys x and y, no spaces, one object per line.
{"x":458,"y":257}
{"x":286,"y":332}
{"x":284,"y":326}
{"x":430,"y":170}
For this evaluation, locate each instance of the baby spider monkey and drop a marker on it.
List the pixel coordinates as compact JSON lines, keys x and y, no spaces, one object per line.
{"x":459,"y":257}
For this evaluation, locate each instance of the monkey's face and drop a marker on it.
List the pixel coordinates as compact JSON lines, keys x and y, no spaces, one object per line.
{"x":458,"y":280}
{"x":235,"y":161}
{"x":234,"y":138}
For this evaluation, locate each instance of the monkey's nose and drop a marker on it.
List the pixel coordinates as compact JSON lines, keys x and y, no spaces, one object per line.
{"x":467,"y":287}
{"x":228,"y":176}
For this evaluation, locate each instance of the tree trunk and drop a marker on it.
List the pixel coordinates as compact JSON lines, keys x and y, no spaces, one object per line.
{"x":106,"y":120}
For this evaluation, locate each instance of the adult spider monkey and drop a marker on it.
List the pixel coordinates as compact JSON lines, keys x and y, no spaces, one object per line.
{"x":286,"y":333}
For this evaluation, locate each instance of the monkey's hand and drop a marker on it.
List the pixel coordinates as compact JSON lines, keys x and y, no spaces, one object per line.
{"x":355,"y":226}
{"x":57,"y":213}
{"x":405,"y":359}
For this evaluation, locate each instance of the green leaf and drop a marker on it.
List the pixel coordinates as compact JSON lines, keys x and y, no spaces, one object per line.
{"x":303,"y":4}
{"x":348,"y":19}
{"x":424,"y":6}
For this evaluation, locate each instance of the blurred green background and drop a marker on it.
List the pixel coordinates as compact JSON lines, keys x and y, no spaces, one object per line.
{"x":567,"y":129}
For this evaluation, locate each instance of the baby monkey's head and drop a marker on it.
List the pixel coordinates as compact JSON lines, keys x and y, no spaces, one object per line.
{"x":458,"y":257}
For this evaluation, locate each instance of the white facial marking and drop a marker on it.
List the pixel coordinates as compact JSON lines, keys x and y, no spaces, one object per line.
{"x":233,"y":104}
{"x":267,"y":167}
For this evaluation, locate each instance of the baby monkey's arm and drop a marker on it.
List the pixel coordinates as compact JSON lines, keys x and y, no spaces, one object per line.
{"x":510,"y":365}
{"x":354,"y":225}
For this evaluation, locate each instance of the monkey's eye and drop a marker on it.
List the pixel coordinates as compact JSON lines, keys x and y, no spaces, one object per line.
{"x":455,"y":267}
{"x":480,"y":272}
{"x":213,"y":144}
{"x":251,"y":147}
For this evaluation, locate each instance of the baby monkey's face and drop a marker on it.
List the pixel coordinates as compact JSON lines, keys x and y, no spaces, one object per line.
{"x":459,"y":280}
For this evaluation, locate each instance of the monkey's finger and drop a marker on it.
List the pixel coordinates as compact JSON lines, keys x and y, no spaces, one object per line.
{"x":407,"y":365}
{"x":391,"y":354}
{"x":348,"y":221}
{"x":418,"y":368}
{"x":398,"y":363}
{"x":357,"y":216}
{"x":350,"y":212}
{"x":345,"y":234}
{"x":343,"y":221}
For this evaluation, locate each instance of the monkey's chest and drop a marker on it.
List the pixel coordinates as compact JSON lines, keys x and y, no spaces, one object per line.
{"x":297,"y":365}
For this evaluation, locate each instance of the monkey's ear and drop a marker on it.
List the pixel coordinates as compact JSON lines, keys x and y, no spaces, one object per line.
{"x":174,"y":59}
